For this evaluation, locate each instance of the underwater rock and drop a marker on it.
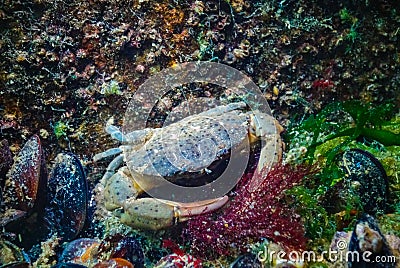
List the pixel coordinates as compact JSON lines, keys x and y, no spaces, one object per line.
{"x":370,"y":244}
{"x":340,"y":241}
{"x":394,"y":244}
{"x":67,"y":197}
{"x":247,"y":261}
{"x":340,"y":244}
{"x":365,"y":183}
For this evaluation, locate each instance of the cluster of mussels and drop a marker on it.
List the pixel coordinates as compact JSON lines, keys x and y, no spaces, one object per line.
{"x":37,"y":205}
{"x":50,"y":208}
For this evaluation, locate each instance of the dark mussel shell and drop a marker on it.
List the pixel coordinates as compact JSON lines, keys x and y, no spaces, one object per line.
{"x":11,"y":218}
{"x":129,"y":248}
{"x":27,"y":178}
{"x":114,"y":263}
{"x":6,"y":161}
{"x":75,"y":250}
{"x":365,"y":180}
{"x":121,"y":247}
{"x":367,"y":236}
{"x":68,"y":265}
{"x":67,"y":197}
{"x":11,"y":255}
{"x":16,"y":265}
{"x":25,"y":196}
{"x":247,"y":261}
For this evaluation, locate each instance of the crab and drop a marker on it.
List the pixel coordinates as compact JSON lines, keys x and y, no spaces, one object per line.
{"x":225,"y":129}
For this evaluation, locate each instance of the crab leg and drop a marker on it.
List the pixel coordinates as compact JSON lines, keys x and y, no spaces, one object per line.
{"x":155,"y":214}
{"x":112,"y":167}
{"x":260,"y":126}
{"x":115,"y":133}
{"x":137,"y":137}
{"x":109,"y":152}
{"x":224,"y":109}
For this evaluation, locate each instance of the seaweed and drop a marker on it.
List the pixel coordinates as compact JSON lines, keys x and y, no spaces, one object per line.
{"x":351,"y":119}
{"x":251,"y":216}
{"x":318,"y":223}
{"x":320,"y":138}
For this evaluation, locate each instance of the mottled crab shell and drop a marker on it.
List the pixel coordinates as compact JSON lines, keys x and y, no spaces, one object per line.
{"x":184,"y":149}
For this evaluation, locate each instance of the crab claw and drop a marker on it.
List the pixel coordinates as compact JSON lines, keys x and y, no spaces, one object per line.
{"x":155,"y":214}
{"x":188,"y":210}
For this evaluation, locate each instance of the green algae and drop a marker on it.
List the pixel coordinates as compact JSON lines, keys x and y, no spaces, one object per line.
{"x":319,"y":138}
{"x":60,"y":129}
{"x":341,"y":126}
{"x":390,"y":224}
{"x":318,"y":223}
{"x":110,"y":88}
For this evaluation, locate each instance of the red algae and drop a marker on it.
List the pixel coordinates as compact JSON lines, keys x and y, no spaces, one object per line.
{"x":251,"y":216}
